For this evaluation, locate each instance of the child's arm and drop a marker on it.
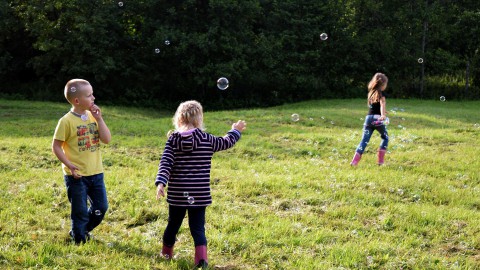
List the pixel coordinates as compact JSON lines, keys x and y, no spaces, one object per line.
{"x":383,"y":108}
{"x":229,"y":140}
{"x":58,"y":151}
{"x":103,"y":131}
{"x":164,"y":169}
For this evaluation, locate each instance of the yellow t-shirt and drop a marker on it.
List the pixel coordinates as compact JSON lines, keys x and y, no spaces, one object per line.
{"x":81,"y":143}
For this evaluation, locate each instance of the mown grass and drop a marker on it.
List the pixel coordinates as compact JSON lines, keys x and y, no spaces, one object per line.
{"x":285,"y":196}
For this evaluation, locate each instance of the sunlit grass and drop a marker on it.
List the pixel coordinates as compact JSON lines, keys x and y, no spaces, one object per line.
{"x":284,"y":197}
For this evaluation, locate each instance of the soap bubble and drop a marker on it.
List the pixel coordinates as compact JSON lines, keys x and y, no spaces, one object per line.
{"x":167,"y":42}
{"x":295,"y":117}
{"x":157,"y":50}
{"x":442,"y":98}
{"x":120,"y":4}
{"x":386,"y":121}
{"x":222,"y":83}
{"x":323,"y":36}
{"x":98,"y":212}
{"x":185,"y":194}
{"x":191,"y":200}
{"x":73,"y":89}
{"x":420,"y":60}
{"x":476,"y":125}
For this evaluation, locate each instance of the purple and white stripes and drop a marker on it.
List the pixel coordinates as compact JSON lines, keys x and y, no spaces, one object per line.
{"x":186,"y":163}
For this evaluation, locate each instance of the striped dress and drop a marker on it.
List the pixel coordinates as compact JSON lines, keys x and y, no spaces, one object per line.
{"x":186,"y":164}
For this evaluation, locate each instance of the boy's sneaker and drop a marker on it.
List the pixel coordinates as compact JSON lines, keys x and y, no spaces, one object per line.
{"x":89,"y":236}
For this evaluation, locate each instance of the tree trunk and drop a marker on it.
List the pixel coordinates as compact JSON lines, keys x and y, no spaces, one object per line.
{"x":467,"y":77}
{"x":424,"y":37}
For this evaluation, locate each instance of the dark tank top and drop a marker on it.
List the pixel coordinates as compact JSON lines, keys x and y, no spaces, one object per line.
{"x":375,"y":107}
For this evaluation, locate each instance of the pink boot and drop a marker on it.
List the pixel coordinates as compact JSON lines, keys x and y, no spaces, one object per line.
{"x":167,"y":252}
{"x":201,"y":260}
{"x":356,"y":159}
{"x":381,"y":156}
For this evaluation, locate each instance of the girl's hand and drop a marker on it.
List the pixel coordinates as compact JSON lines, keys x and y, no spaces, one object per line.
{"x":240,"y":125}
{"x":160,"y":191}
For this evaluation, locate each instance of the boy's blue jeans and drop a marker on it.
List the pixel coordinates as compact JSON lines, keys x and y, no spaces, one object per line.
{"x":368,"y":129}
{"x":79,"y":191}
{"x":196,"y":222}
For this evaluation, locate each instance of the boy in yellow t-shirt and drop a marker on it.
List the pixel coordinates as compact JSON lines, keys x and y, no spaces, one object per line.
{"x":76,"y":143}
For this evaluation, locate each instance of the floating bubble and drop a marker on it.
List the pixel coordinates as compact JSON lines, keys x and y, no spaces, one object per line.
{"x":400,"y":126}
{"x":73,"y":89}
{"x":331,"y":122}
{"x":295,"y":117}
{"x":442,"y":98}
{"x":222,"y":83}
{"x":191,"y":200}
{"x":323,"y":118}
{"x":323,"y":36}
{"x":120,"y":4}
{"x":369,"y":260}
{"x":366,"y":131}
{"x":185,"y":194}
{"x":476,"y":125}
{"x":157,"y":50}
{"x":386,"y":121}
{"x":167,"y":42}
{"x":98,"y":212}
{"x":420,"y":60}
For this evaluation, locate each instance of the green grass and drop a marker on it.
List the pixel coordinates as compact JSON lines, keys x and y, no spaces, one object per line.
{"x":285,"y":196}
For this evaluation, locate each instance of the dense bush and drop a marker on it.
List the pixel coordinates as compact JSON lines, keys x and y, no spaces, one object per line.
{"x":149,"y":52}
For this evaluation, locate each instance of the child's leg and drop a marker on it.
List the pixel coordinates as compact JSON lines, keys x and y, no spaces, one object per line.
{"x":175,"y":218}
{"x":384,"y":135}
{"x":383,"y":145}
{"x":367,"y":134}
{"x":77,"y":195}
{"x":196,"y":221}
{"x":97,"y":196}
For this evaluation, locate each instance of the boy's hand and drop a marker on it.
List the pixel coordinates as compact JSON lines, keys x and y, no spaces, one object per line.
{"x":160,"y":191}
{"x":240,"y":125}
{"x":96,"y":112}
{"x":74,"y":171}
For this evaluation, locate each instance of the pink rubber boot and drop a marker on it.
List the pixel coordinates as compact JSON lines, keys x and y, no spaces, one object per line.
{"x":201,"y":260}
{"x":381,"y":156}
{"x":356,"y":159}
{"x":167,"y":252}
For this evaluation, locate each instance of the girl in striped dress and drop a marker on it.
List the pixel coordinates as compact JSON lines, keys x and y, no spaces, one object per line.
{"x":185,"y":167}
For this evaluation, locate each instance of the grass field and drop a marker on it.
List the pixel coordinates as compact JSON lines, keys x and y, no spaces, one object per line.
{"x":285,"y":197}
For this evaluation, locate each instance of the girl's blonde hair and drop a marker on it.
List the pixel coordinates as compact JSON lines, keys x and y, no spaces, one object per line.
{"x":377,"y":84}
{"x":189,"y":115}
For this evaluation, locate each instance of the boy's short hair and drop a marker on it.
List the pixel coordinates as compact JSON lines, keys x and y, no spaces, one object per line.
{"x":73,"y":88}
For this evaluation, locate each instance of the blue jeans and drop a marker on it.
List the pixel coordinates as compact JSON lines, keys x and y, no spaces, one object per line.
{"x":368,"y":129}
{"x":79,"y":191}
{"x":196,"y":222}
